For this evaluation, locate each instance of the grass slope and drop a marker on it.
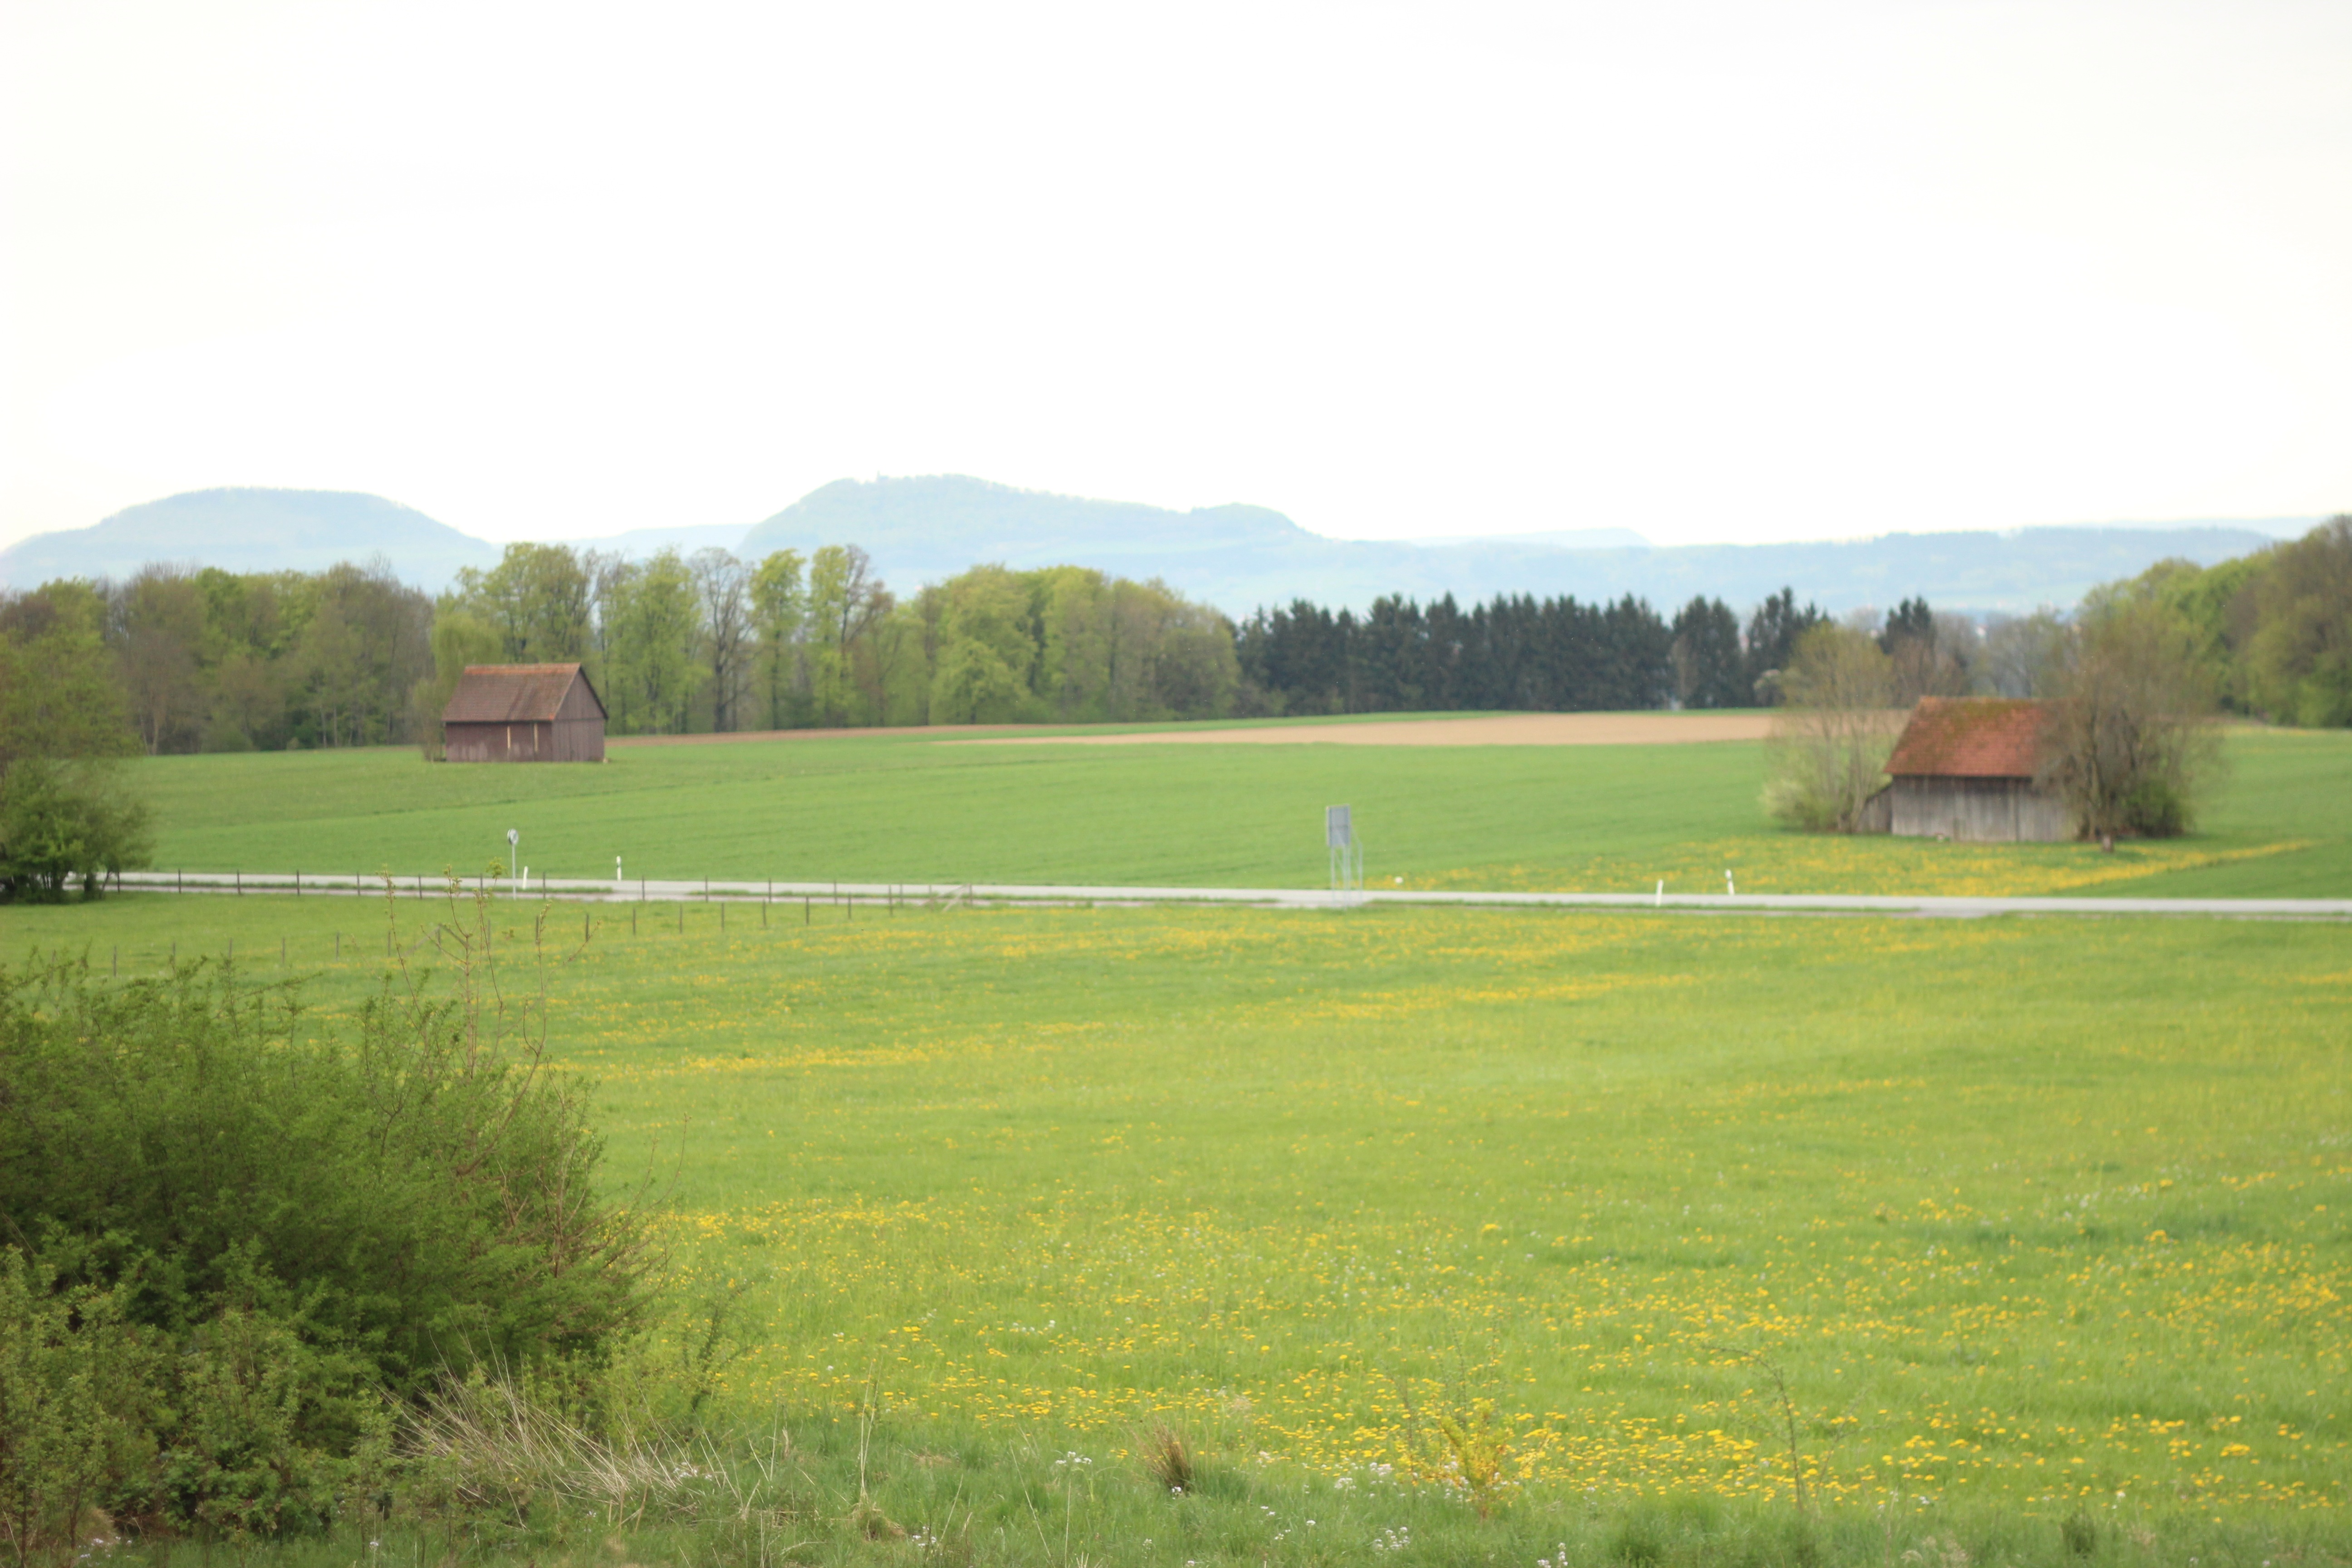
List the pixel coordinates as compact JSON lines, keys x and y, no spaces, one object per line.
{"x":908,"y":808}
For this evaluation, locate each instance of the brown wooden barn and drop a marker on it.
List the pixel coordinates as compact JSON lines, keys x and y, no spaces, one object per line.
{"x":523,"y":713}
{"x":1964,"y":769}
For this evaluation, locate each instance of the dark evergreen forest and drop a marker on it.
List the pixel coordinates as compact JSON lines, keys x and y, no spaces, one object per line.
{"x":1516,"y":651}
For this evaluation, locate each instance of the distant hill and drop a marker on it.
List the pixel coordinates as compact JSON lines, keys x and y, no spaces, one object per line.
{"x":925,"y":529}
{"x":1240,"y":557}
{"x":1235,"y":557}
{"x":2013,"y":571}
{"x":251,"y":531}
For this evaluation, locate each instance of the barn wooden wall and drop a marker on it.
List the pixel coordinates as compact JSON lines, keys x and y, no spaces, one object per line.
{"x":1980,"y":811}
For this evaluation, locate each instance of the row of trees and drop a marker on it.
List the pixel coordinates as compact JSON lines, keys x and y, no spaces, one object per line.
{"x":213,"y":661}
{"x":2268,"y":634}
{"x":1399,"y":656}
{"x":1563,"y":655}
{"x":711,"y":642}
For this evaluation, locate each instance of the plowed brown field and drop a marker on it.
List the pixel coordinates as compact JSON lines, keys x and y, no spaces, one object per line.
{"x":1504,"y":729}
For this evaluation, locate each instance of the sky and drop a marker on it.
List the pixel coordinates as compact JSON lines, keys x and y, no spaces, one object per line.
{"x":1716,"y":272}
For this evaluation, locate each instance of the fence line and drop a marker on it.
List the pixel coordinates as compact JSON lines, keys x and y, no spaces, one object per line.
{"x":948,"y":895}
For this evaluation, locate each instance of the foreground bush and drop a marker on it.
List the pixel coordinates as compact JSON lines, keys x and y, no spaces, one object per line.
{"x":229,"y":1234}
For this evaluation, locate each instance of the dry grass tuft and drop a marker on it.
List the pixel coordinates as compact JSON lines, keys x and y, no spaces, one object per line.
{"x":485,"y":1446}
{"x":1160,"y":1451}
{"x":868,"y":1520}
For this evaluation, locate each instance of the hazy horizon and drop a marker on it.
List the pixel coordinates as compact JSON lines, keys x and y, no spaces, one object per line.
{"x":1710,"y":273}
{"x":2274,"y":527}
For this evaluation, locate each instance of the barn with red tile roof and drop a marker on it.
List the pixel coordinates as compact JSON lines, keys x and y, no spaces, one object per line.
{"x":1966,"y":768}
{"x":523,"y":713}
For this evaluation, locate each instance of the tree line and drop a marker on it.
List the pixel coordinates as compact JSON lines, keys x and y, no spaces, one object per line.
{"x":709,"y":642}
{"x":183,"y":660}
{"x":2267,"y":634}
{"x":213,"y":661}
{"x":1515,"y":652}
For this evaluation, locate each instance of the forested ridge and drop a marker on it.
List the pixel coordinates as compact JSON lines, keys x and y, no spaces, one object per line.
{"x":213,"y":661}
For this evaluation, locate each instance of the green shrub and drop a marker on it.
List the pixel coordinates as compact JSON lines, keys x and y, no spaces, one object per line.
{"x":306,"y":1221}
{"x":245,"y":1431}
{"x":64,"y":1358}
{"x":418,"y":1194}
{"x":266,"y":1434}
{"x":66,"y":822}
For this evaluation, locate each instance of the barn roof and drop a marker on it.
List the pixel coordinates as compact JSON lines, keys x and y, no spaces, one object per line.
{"x":1970,"y":737}
{"x":513,"y":693}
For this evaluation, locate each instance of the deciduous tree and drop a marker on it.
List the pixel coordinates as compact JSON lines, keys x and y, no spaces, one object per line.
{"x":652,"y":625}
{"x":540,"y":598}
{"x":723,"y":586}
{"x":2129,"y":746}
{"x":66,"y":814}
{"x":1828,"y":746}
{"x":842,"y":602}
{"x":779,"y":606}
{"x":2299,"y":646}
{"x":158,"y":627}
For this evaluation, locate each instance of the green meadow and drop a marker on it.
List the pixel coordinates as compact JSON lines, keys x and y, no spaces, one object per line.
{"x":2037,"y":1220}
{"x":1441,"y":1235}
{"x":919,"y":809}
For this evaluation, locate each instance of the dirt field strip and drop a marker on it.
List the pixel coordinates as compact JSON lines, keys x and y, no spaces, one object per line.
{"x":733,"y":736}
{"x":1506,"y":730}
{"x":1490,"y":730}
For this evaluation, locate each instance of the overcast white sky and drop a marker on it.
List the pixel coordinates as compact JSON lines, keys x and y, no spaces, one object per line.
{"x":1729,"y":271}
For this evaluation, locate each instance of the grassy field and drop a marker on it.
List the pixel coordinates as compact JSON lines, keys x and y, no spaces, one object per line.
{"x":912,"y":809}
{"x":2039,"y":1220}
{"x":2033,"y":1216}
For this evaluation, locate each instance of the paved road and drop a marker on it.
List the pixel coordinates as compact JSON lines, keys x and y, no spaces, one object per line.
{"x":217,"y":882}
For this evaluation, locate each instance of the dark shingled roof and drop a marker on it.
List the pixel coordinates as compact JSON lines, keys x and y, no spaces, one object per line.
{"x":511,"y":693}
{"x":1970,"y":738}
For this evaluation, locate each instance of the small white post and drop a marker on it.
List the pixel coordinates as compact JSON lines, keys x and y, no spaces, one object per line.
{"x":616,"y":867}
{"x":1662,"y":893}
{"x":1729,"y":891}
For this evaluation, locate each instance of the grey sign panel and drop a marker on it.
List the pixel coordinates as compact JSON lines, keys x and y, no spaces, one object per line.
{"x":1337,"y":832}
